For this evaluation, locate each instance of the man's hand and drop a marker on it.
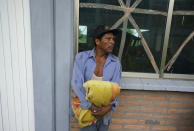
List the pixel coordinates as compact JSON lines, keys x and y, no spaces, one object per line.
{"x":95,"y":109}
{"x":100,"y":112}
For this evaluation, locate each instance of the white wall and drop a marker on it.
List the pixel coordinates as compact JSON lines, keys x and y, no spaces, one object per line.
{"x":16,"y":88}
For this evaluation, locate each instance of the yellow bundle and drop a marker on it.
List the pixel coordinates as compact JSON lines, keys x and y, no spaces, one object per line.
{"x":100,"y":93}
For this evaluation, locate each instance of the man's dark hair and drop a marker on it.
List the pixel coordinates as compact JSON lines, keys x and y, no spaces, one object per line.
{"x":101,"y":30}
{"x":99,"y":37}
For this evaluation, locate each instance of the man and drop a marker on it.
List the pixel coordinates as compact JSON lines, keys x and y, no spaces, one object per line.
{"x":97,"y":64}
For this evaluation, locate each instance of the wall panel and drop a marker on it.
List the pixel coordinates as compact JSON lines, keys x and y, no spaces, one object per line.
{"x":3,"y":89}
{"x":16,"y":88}
{"x":1,"y":120}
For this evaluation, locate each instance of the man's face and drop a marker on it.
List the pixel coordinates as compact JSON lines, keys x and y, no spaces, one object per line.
{"x":106,"y":43}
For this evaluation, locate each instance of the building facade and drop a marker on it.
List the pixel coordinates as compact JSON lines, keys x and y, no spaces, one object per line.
{"x":38,"y":42}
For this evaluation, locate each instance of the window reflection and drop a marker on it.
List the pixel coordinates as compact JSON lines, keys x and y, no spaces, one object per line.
{"x":134,"y":57}
{"x":181,"y":28}
{"x":150,"y":17}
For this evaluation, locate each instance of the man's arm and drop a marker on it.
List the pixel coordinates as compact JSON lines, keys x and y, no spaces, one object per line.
{"x":78,"y":80}
{"x":116,"y":78}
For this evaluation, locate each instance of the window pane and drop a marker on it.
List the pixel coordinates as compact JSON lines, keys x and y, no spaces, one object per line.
{"x":134,"y":57}
{"x":184,"y":5}
{"x":91,"y":18}
{"x":181,"y":28}
{"x":152,"y":26}
{"x":110,"y":2}
{"x":160,"y":5}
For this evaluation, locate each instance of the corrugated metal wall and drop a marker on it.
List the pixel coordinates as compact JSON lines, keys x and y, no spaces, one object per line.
{"x":16,"y":88}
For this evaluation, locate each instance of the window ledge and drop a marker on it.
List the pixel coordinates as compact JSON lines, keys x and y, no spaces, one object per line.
{"x":157,"y":84}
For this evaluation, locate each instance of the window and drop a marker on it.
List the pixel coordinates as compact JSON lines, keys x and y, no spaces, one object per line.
{"x":143,"y":23}
{"x":181,"y":41}
{"x":82,"y":37}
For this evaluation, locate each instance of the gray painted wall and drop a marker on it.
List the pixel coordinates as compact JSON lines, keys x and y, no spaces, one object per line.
{"x":64,"y":61}
{"x":43,"y":63}
{"x":52,"y":59}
